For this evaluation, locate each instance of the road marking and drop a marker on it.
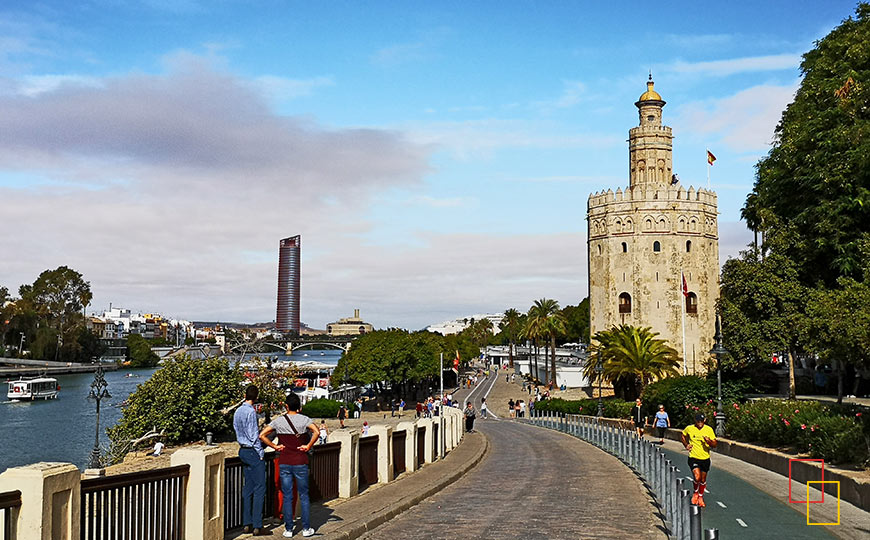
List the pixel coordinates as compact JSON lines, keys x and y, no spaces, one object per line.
{"x":720,"y":503}
{"x":742,"y":523}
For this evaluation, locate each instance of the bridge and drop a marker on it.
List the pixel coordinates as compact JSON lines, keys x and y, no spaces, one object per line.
{"x":341,"y":343}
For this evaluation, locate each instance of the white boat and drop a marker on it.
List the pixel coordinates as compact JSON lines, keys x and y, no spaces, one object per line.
{"x":32,"y":389}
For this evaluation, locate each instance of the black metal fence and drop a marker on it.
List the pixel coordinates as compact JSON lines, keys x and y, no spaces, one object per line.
{"x":368,"y":461}
{"x":146,"y":505}
{"x":10,"y":502}
{"x":323,"y":472}
{"x":421,"y":446}
{"x":235,"y":479}
{"x":399,"y":440}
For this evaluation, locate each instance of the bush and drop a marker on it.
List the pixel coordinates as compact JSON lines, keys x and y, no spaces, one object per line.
{"x":685,"y":396}
{"x":321,"y":408}
{"x":613,"y":408}
{"x":184,"y":398}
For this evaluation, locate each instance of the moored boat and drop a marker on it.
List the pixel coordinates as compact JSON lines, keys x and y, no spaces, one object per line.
{"x":33,"y":389}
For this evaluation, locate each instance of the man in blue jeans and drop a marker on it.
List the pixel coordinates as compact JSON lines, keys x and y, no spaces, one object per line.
{"x":296,"y":435}
{"x":251,"y":453}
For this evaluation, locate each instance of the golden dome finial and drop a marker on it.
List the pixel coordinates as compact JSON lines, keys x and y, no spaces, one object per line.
{"x":650,"y":94}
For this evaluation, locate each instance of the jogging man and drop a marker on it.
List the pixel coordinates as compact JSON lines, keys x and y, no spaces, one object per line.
{"x":698,"y":439}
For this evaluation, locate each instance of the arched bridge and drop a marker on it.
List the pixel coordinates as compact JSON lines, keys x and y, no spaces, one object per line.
{"x":341,"y":343}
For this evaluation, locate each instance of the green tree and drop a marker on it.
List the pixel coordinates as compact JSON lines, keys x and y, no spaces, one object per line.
{"x":815,"y":181}
{"x":632,"y":358}
{"x":510,"y":325}
{"x":534,"y":329}
{"x":577,"y":322}
{"x":140,"y":352}
{"x":184,"y":399}
{"x":6,"y":311}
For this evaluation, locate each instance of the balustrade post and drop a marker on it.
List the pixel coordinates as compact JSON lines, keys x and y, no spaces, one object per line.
{"x":204,"y":500}
{"x":348,"y":462}
{"x":50,"y":500}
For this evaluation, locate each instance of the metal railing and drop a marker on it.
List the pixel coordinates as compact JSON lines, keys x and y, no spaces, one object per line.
{"x":399,"y":440}
{"x":672,"y":493}
{"x":435,"y":433}
{"x":421,"y":446}
{"x":10,"y":502}
{"x":368,"y":461}
{"x":146,"y":505}
{"x":235,"y":479}
{"x":323,"y":471}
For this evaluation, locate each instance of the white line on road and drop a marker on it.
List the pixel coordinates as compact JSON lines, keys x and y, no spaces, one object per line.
{"x":742,"y":523}
{"x":720,"y":503}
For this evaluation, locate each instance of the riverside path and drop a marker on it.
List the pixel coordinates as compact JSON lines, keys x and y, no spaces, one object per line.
{"x":533,"y":483}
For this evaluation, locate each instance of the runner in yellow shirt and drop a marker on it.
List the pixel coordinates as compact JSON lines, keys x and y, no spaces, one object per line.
{"x":698,"y":439}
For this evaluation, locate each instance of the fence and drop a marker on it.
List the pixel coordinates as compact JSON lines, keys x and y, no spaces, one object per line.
{"x":10,"y":502}
{"x":670,"y":490}
{"x":234,"y":474}
{"x":399,"y":440}
{"x":435,"y":430}
{"x":145,"y":505}
{"x":421,"y":446}
{"x":323,"y":472}
{"x":368,"y":461}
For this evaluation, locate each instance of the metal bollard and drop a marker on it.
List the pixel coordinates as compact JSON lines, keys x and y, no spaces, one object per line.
{"x":711,"y":534}
{"x":678,"y":523}
{"x":695,"y":522}
{"x":666,"y":485}
{"x":685,"y":503}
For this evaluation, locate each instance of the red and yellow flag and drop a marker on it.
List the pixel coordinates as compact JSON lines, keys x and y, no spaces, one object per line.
{"x":710,"y":157}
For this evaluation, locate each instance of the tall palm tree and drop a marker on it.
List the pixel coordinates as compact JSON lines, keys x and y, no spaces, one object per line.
{"x":533,"y":330}
{"x":632,"y":356}
{"x":510,"y":324}
{"x":553,"y":324}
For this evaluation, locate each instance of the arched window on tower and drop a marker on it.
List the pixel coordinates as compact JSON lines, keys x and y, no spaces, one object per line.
{"x":625,"y":303}
{"x":691,"y":303}
{"x":599,"y":249}
{"x":688,"y":246}
{"x":657,"y":246}
{"x":624,"y":247}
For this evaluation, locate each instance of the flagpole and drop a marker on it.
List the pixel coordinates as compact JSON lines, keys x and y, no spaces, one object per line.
{"x":683,"y":319}
{"x":708,"y":168}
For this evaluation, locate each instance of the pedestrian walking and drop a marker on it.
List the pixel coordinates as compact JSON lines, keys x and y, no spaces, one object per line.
{"x":296,"y":435}
{"x":483,"y":409}
{"x":401,"y":407}
{"x":637,"y":417}
{"x":469,"y":417}
{"x":663,"y":422}
{"x":419,"y":409}
{"x":394,"y":405}
{"x":698,"y":438}
{"x":342,"y":414}
{"x":511,"y":408}
{"x":323,"y":431}
{"x":365,"y":429}
{"x":253,"y":467}
{"x":522,"y":406}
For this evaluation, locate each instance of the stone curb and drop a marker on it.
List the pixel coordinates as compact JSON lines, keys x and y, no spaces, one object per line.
{"x":358,"y":528}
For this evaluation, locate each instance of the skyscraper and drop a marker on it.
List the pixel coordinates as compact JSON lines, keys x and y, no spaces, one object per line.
{"x":287,"y":318}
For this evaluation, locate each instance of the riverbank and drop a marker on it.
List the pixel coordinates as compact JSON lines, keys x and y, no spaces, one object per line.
{"x":23,"y":367}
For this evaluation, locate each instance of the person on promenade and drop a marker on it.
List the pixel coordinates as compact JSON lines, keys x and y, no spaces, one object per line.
{"x":469,"y":417}
{"x":511,"y":408}
{"x":324,"y":433}
{"x":522,"y":406}
{"x":253,"y":468}
{"x":401,"y":407}
{"x":698,"y":438}
{"x":662,"y":423}
{"x":419,"y":409}
{"x":158,"y":448}
{"x":342,"y":414}
{"x":483,"y":409}
{"x":637,"y":417}
{"x":296,"y":435}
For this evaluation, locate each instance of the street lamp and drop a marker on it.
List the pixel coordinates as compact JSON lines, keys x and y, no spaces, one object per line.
{"x":98,"y":392}
{"x":718,"y":350}
{"x":599,"y":370}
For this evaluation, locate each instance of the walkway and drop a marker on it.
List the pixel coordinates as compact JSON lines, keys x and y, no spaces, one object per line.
{"x":533,"y":483}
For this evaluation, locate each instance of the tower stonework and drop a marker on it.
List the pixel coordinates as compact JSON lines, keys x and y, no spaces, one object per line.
{"x":644,"y":240}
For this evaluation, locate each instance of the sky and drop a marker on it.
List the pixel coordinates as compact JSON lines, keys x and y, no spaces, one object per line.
{"x":435,"y":157}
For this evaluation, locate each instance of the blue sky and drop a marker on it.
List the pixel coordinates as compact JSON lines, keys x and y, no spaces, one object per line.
{"x":435,"y":156}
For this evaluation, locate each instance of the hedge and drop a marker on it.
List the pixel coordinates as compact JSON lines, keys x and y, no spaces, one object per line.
{"x":684,"y":396}
{"x":321,"y":408}
{"x":613,"y":408}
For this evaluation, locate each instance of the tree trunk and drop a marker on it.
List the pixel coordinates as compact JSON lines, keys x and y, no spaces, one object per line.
{"x":839,"y":382}
{"x":546,"y":363}
{"x":535,"y":374}
{"x":792,"y":388}
{"x":511,"y":353}
{"x":553,"y":358}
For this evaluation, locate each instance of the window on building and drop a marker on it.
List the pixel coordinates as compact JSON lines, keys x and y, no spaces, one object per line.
{"x":657,"y":246}
{"x":625,"y":303}
{"x":599,"y":249}
{"x":362,"y":329}
{"x":624,"y":247}
{"x":688,"y":246}
{"x":691,"y":303}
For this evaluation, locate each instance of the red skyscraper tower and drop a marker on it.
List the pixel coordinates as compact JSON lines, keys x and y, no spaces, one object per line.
{"x":287,"y":318}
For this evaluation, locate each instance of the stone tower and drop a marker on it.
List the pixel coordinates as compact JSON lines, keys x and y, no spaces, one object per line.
{"x":644,"y":239}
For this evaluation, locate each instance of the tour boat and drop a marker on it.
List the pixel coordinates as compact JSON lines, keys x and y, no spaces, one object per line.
{"x":33,"y":389}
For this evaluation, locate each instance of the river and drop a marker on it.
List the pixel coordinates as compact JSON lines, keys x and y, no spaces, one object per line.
{"x":62,"y":429}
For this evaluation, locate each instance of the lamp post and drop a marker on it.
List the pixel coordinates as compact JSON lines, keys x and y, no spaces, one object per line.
{"x":718,"y":350}
{"x":599,"y":370}
{"x":98,"y":392}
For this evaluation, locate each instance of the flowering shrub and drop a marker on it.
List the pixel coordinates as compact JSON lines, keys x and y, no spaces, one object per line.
{"x":613,"y":408}
{"x":677,"y":392}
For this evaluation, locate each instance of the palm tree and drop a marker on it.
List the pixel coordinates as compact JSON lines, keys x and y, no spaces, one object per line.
{"x":553,"y":324}
{"x":533,"y":329}
{"x":632,"y":357}
{"x":510,"y":324}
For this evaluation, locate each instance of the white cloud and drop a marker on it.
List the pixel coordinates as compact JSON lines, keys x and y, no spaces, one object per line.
{"x":744,"y":121}
{"x":775,"y":62}
{"x":32,"y":85}
{"x":283,"y":88}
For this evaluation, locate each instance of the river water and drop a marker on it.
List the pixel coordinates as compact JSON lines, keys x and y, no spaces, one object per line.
{"x":63,"y":429}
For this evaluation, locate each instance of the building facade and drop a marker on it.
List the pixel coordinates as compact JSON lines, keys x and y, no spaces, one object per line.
{"x":349,"y":326}
{"x":644,"y":241}
{"x":287,"y":317}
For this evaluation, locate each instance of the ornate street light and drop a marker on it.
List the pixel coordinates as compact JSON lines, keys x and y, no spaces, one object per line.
{"x":98,"y":392}
{"x":718,"y":350}
{"x":599,"y":370}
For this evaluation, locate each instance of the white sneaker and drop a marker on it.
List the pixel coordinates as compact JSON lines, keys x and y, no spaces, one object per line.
{"x":288,"y":533}
{"x":308,"y":532}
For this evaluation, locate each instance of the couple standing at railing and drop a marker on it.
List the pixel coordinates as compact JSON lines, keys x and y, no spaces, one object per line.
{"x":296,"y":435}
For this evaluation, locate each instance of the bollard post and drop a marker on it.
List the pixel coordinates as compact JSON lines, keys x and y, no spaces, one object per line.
{"x":678,"y":508}
{"x":685,"y":502}
{"x":711,"y":534}
{"x":695,"y":522}
{"x":666,"y":485}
